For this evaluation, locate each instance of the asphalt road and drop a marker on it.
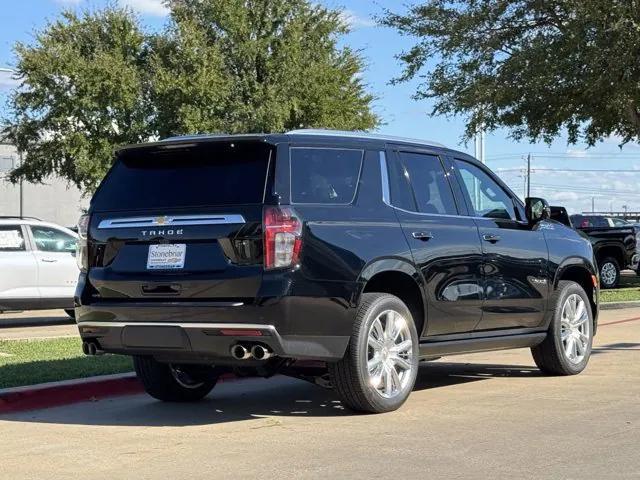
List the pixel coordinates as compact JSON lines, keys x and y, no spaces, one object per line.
{"x":476,"y":416}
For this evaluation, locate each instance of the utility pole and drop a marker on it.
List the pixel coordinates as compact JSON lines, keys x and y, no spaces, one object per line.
{"x":528,"y":175}
{"x":593,"y":204}
{"x":626,"y":207}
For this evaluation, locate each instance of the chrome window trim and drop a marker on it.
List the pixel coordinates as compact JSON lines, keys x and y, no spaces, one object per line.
{"x":386,"y":198}
{"x":170,"y":221}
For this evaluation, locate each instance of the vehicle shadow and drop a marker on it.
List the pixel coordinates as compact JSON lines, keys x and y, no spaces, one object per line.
{"x":251,"y":399}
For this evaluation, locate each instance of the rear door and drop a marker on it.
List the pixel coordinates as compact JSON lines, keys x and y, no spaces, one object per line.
{"x":54,"y":251}
{"x":19,"y":278}
{"x":515,"y":255}
{"x":444,"y":244}
{"x":181,"y":222}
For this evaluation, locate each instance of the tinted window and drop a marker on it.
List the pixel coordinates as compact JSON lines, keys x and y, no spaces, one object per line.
{"x":11,"y":239}
{"x":206,"y":174}
{"x":429,"y":185}
{"x":52,"y":240}
{"x":488,"y":199}
{"x":589,"y":221}
{"x":321,"y":175}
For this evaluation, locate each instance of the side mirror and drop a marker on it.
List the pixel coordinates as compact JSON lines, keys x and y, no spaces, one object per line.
{"x":537,"y":209}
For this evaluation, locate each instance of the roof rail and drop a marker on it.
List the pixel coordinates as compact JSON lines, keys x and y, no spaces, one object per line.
{"x":360,"y":134}
{"x":18,"y":217}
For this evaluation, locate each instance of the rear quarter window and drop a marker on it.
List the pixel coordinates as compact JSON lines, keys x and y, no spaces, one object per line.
{"x":325,"y":175}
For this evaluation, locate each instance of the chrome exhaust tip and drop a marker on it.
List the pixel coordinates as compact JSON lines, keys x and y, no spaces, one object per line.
{"x":239,"y":352}
{"x":261,"y":353}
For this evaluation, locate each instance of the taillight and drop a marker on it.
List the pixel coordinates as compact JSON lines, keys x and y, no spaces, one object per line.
{"x":82,"y":253}
{"x":282,"y":237}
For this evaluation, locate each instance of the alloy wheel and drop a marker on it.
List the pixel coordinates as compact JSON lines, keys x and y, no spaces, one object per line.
{"x":608,"y":273}
{"x":575,"y":329}
{"x":389,"y":354}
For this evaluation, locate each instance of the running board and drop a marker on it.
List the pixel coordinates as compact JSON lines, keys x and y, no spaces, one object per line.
{"x":474,"y":345}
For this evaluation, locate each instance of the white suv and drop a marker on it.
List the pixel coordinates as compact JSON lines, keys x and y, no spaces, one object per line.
{"x":38,"y":269}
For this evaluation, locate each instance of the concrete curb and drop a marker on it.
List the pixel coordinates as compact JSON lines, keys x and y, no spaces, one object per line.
{"x":620,"y":305}
{"x":55,"y":394}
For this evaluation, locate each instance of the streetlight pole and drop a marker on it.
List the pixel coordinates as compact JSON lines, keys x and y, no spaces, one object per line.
{"x":20,"y":184}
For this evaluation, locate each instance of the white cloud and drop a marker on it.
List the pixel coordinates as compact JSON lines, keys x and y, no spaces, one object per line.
{"x":354,"y":20}
{"x":68,"y":2}
{"x":576,"y":153}
{"x":148,"y":7}
{"x":7,"y":81}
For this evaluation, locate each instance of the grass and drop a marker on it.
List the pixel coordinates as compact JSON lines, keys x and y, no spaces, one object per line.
{"x":28,"y":362}
{"x":629,"y":290}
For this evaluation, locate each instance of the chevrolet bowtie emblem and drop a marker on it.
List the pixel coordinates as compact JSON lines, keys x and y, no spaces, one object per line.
{"x":161,"y":220}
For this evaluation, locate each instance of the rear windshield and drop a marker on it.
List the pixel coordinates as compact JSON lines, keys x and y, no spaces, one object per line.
{"x":588,"y":221}
{"x":203,"y":175}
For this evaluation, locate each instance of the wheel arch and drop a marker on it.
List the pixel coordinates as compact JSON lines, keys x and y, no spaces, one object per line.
{"x":397,"y":277}
{"x":614,"y":250}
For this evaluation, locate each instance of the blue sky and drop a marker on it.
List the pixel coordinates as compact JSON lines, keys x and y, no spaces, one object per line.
{"x":563,"y":174}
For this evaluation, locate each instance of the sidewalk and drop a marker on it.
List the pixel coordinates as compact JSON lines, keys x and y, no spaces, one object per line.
{"x":36,"y":324}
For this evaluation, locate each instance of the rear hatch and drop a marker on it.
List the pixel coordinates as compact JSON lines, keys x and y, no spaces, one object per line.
{"x":181,"y":223}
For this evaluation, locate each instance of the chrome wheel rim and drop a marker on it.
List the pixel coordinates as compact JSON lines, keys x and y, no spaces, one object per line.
{"x":183,"y":378}
{"x":575,"y":329}
{"x":389,"y":354}
{"x":608,"y":273}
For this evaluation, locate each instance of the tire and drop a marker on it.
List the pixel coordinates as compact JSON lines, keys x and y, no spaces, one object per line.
{"x":609,"y":272}
{"x":374,"y":392}
{"x":71,"y":313}
{"x":551,"y":355}
{"x":174,"y":383}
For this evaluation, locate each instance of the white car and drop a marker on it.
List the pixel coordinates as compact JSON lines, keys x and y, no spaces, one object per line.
{"x":38,"y":269}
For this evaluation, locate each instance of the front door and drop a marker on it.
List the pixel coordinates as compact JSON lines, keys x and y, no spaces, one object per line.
{"x":445,"y":245}
{"x":515,"y":255}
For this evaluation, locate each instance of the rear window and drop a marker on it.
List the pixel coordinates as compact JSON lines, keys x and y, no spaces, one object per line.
{"x":588,"y":221}
{"x":203,"y":175}
{"x":324,"y":175}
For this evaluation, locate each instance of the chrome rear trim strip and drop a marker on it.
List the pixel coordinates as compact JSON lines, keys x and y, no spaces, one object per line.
{"x":170,"y":221}
{"x":188,"y":325}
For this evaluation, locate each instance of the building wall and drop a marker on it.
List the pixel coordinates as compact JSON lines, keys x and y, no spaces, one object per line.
{"x":55,"y":200}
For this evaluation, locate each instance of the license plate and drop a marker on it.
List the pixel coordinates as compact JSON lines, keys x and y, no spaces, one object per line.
{"x":166,"y":256}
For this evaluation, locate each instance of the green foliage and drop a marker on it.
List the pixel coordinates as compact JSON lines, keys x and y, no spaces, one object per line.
{"x":537,"y":67}
{"x":95,"y":81}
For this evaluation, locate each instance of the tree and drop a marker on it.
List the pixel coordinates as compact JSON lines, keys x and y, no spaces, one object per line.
{"x":95,"y":81}
{"x":536,"y":67}
{"x":83,"y":91}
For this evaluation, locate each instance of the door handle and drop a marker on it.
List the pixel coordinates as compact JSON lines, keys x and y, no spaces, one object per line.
{"x":424,"y":236}
{"x":49,"y":260}
{"x":491,"y":238}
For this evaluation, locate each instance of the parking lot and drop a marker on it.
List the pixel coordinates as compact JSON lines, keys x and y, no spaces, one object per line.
{"x":474,"y":416}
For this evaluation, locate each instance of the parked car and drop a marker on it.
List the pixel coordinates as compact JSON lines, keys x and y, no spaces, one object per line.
{"x":366,"y":253}
{"x":37,"y":264}
{"x":616,"y":244}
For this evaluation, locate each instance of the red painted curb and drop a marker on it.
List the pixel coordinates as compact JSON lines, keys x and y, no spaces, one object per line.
{"x":40,"y":397}
{"x":56,"y":395}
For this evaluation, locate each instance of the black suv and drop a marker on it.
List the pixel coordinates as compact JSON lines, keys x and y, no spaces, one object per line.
{"x":341,"y":257}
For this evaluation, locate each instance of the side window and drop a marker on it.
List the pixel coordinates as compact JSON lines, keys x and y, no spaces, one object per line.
{"x":11,"y":239}
{"x":488,"y":199}
{"x":324,"y":175}
{"x":418,"y":183}
{"x":52,"y":240}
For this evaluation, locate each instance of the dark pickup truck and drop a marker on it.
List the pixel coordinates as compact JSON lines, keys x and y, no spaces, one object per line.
{"x":616,"y":245}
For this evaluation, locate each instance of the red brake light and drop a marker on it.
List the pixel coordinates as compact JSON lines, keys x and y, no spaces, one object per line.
{"x":282,"y":237}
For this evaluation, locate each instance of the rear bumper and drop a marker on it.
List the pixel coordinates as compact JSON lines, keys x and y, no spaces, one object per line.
{"x":292,"y":327}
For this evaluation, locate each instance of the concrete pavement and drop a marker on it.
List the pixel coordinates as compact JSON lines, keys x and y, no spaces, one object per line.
{"x":475,"y":416}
